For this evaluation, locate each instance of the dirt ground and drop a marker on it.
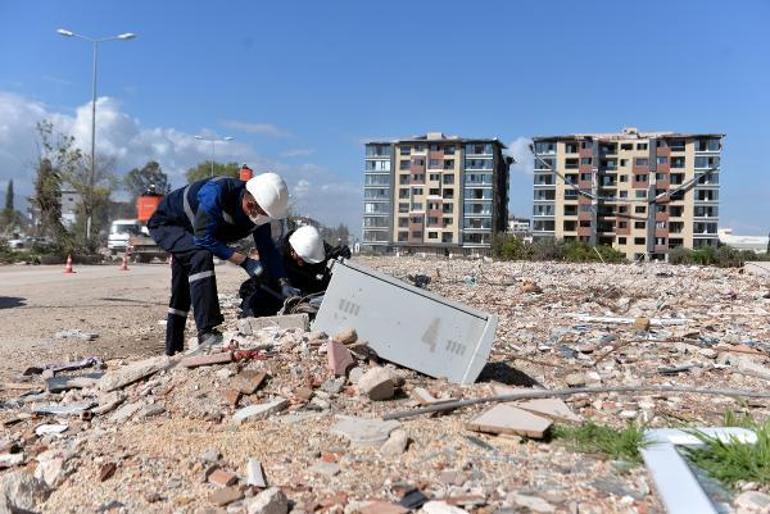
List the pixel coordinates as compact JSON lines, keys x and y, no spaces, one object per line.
{"x":123,"y":308}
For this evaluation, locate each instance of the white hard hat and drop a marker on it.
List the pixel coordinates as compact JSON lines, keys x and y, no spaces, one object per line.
{"x":271,"y":193}
{"x":307,"y":243}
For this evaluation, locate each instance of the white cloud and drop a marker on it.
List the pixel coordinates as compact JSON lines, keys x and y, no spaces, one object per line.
{"x":318,"y":192}
{"x":265,"y":129}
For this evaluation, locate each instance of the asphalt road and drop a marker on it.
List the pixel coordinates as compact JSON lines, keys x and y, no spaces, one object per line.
{"x":123,"y":307}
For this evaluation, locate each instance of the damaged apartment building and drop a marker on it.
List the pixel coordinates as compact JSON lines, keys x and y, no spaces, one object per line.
{"x":643,"y":193}
{"x":434,"y":194}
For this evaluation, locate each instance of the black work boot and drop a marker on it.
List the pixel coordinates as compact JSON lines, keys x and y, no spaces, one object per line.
{"x":174,"y":335}
{"x":209,"y":338}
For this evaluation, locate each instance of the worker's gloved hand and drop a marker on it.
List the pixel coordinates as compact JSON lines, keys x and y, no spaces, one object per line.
{"x":252,"y":266}
{"x":287,"y":290}
{"x":345,"y":251}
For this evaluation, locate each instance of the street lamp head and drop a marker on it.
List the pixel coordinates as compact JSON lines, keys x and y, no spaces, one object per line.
{"x":65,"y":32}
{"x":228,"y":138}
{"x":127,"y":35}
{"x":199,"y":138}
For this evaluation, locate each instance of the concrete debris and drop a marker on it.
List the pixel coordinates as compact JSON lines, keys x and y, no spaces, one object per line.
{"x":76,"y":334}
{"x":50,"y":472}
{"x":752,"y":502}
{"x":328,"y":469}
{"x":533,"y":503}
{"x":396,"y":444}
{"x":248,"y":381}
{"x":22,"y":492}
{"x":69,"y":409}
{"x":255,"y":475}
{"x":250,"y":326}
{"x":269,"y":501}
{"x":124,"y":413}
{"x":506,"y":419}
{"x":134,"y":372}
{"x":552,"y":408}
{"x":108,"y":402}
{"x":441,"y":507}
{"x":222,"y":478}
{"x":380,"y":507}
{"x":61,"y":384}
{"x":259,"y":411}
{"x":364,"y":431}
{"x":10,"y":460}
{"x":377,"y":384}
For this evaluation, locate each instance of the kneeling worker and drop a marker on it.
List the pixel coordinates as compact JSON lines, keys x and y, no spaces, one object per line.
{"x":197,"y":222}
{"x":305,"y":259}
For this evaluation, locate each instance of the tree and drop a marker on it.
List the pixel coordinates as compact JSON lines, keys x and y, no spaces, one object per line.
{"x":139,"y":180}
{"x":203,"y":170}
{"x":94,"y":196}
{"x":9,"y":218}
{"x":338,"y":235}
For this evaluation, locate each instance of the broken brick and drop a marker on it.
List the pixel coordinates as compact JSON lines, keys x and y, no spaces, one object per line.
{"x":248,"y":381}
{"x":222,"y":478}
{"x":231,"y":397}
{"x":206,"y":360}
{"x":107,"y":470}
{"x":347,"y":336}
{"x":339,"y":358}
{"x":381,"y":507}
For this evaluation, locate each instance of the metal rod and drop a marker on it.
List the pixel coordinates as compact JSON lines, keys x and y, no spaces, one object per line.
{"x":544,"y":393}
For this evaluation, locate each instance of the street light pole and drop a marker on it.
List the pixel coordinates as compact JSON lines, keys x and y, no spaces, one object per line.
{"x":95,"y":43}
{"x":213,"y":141}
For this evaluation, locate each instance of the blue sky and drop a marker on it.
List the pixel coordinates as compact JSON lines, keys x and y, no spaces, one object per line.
{"x":301,"y":84}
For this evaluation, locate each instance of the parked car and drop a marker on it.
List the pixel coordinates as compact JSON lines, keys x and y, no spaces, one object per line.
{"x":120,"y":233}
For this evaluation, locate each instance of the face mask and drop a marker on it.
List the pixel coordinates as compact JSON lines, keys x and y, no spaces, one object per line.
{"x":259,"y":219}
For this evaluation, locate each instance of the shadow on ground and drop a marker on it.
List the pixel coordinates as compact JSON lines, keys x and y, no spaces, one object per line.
{"x":505,"y":374}
{"x":9,"y":302}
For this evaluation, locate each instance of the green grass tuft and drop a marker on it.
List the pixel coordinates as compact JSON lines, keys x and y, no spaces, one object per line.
{"x":592,"y":438}
{"x":734,"y":462}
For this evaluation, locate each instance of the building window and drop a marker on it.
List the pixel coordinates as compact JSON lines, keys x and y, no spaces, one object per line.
{"x":639,"y":240}
{"x":622,"y":194}
{"x":449,"y":164}
{"x":449,"y":193}
{"x":404,"y":165}
{"x":434,"y":177}
{"x":708,"y":145}
{"x":641,"y":177}
{"x":434,"y":163}
{"x":586,"y":161}
{"x":403,"y":236}
{"x":677,"y":162}
{"x":626,"y":146}
{"x":570,"y":148}
{"x":446,"y":237}
{"x":622,"y":224}
{"x":416,"y":191}
{"x":662,"y":160}
{"x":403,"y":193}
{"x":448,"y":179}
{"x":403,"y":207}
{"x":640,"y":209}
{"x":641,"y":161}
{"x":447,"y":208}
{"x":417,"y":234}
{"x":416,"y":206}
{"x":432,"y":235}
{"x":447,"y":222}
{"x":639,"y":224}
{"x":434,"y":192}
{"x":621,"y":240}
{"x":641,"y":146}
{"x":640,"y":194}
{"x":623,"y":162}
{"x":449,"y":150}
{"x":406,"y":150}
{"x":571,"y":164}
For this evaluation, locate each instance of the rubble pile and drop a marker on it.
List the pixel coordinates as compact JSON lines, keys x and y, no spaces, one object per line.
{"x":280,"y":418}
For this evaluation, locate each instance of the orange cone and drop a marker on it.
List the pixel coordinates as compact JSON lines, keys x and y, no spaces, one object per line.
{"x":68,"y":266}
{"x":124,"y":266}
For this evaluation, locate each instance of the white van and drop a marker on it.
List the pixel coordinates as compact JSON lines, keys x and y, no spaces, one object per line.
{"x":120,"y":232}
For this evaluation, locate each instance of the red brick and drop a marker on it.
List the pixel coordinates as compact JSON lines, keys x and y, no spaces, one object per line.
{"x":225,"y":496}
{"x":231,"y":397}
{"x":206,"y":360}
{"x":222,"y":478}
{"x":339,"y":358}
{"x":248,"y":381}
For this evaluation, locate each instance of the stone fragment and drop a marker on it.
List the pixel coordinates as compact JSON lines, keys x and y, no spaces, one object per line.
{"x":250,"y":326}
{"x":328,"y":469}
{"x":413,"y":499}
{"x":576,"y":380}
{"x":9,"y":460}
{"x":225,"y":496}
{"x":76,"y":334}
{"x":553,"y":408}
{"x":346,"y":336}
{"x":248,"y":381}
{"x":22,"y":492}
{"x":134,"y":372}
{"x":64,"y":409}
{"x":440,"y":507}
{"x":529,"y":286}
{"x":63,"y":383}
{"x":752,"y":501}
{"x":107,"y":470}
{"x":377,"y":384}
{"x":396,"y":444}
{"x":231,"y":397}
{"x":195,"y":361}
{"x":255,"y":475}
{"x":222,"y":478}
{"x":210,"y":455}
{"x":333,"y":385}
{"x":364,"y":431}
{"x":108,"y":402}
{"x":533,"y":503}
{"x":355,"y":374}
{"x":269,"y":501}
{"x":339,"y":358}
{"x":50,"y":429}
{"x":381,"y":507}
{"x":304,"y":393}
{"x":642,"y":324}
{"x":124,"y":413}
{"x":151,"y":411}
{"x":506,"y":419}
{"x":50,"y":471}
{"x":259,"y":411}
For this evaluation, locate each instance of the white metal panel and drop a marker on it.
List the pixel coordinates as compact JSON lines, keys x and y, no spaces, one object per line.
{"x":407,"y":325}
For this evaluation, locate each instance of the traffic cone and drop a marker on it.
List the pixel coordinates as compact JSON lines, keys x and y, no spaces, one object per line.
{"x":124,"y":266}
{"x":68,"y":266}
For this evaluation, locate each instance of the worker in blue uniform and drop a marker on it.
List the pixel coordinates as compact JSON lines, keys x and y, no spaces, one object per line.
{"x":196,"y":223}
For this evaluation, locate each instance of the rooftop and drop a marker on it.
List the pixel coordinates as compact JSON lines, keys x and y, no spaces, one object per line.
{"x":431,"y":137}
{"x":628,"y":133}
